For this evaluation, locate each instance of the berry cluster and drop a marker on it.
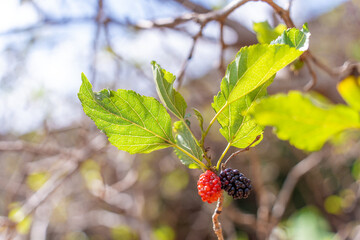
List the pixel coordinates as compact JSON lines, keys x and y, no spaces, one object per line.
{"x":235,"y":183}
{"x":209,"y":186}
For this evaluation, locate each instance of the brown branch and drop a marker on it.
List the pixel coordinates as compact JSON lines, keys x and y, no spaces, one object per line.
{"x":321,"y":65}
{"x":21,"y":146}
{"x":290,"y":3}
{"x":223,"y":46}
{"x":313,"y":80}
{"x":292,"y":178}
{"x":100,"y":21}
{"x":284,"y":14}
{"x":70,"y":166}
{"x":185,"y":63}
{"x":97,"y":144}
{"x":261,"y":195}
{"x":244,"y":36}
{"x":47,"y":189}
{"x":216,"y":223}
{"x":192,"y":6}
{"x":240,"y":151}
{"x":201,"y":18}
{"x":240,"y":218}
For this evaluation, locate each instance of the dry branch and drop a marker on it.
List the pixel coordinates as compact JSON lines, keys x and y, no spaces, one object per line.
{"x":292,"y":178}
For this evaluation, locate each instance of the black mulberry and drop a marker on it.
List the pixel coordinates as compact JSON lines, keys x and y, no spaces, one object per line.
{"x":235,"y":183}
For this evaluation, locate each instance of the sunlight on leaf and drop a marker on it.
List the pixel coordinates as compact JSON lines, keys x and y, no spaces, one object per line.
{"x":265,"y":33}
{"x":133,"y":123}
{"x":246,"y":80}
{"x":184,"y":139}
{"x":297,"y":119}
{"x":349,"y":88}
{"x":168,"y":95}
{"x":295,"y":38}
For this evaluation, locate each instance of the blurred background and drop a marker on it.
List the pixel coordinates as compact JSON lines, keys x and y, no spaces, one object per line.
{"x":60,"y":179}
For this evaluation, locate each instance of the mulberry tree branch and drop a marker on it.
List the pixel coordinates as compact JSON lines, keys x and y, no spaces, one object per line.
{"x":292,"y":179}
{"x":216,"y":223}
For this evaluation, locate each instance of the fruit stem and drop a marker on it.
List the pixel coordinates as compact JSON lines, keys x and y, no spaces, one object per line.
{"x":242,"y":150}
{"x":222,"y":156}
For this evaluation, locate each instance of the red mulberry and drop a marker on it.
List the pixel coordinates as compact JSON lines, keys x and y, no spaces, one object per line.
{"x":209,"y":187}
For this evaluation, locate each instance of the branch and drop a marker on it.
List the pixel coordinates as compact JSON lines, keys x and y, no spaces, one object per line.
{"x":21,"y":146}
{"x":47,"y":21}
{"x":261,"y":196}
{"x":240,"y":218}
{"x":244,"y":36}
{"x":47,"y":189}
{"x":69,"y":168}
{"x":192,"y":6}
{"x":321,"y":65}
{"x":223,"y":46}
{"x":292,"y":178}
{"x":241,"y":150}
{"x":284,"y":14}
{"x":185,"y":63}
{"x":201,"y":18}
{"x":216,"y":223}
{"x":313,"y":81}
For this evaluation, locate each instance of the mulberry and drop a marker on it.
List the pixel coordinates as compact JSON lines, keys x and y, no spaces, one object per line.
{"x":235,"y":183}
{"x":209,"y":187}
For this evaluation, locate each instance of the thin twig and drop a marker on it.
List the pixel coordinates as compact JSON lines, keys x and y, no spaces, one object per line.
{"x":185,"y":63}
{"x":99,"y":21}
{"x":261,"y":195}
{"x":240,"y":218}
{"x":223,"y":46}
{"x":22,"y":146}
{"x":292,"y":178}
{"x":47,"y":189}
{"x":284,"y":14}
{"x":240,"y":151}
{"x":289,"y":5}
{"x":321,"y":65}
{"x":313,"y":80}
{"x":216,"y":223}
{"x":192,"y":6}
{"x":202,"y":18}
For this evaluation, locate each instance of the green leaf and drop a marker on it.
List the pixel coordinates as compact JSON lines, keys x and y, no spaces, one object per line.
{"x":246,"y":79}
{"x":238,"y":129}
{"x":168,"y":95}
{"x":265,"y":33}
{"x":349,"y":88}
{"x":295,"y":38}
{"x":185,"y":140}
{"x":133,"y":123}
{"x":301,"y":121}
{"x":253,"y":66}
